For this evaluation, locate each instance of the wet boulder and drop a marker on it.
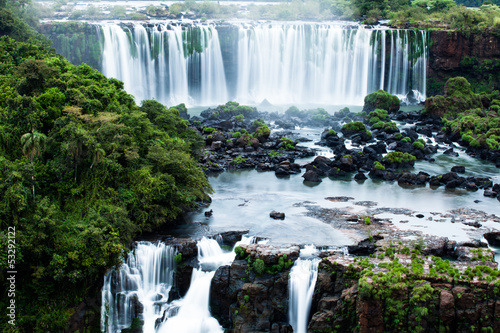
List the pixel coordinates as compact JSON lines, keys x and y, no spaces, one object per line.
{"x":360,"y":176}
{"x":336,"y":173}
{"x":277,"y":215}
{"x":311,"y":176}
{"x":458,"y":169}
{"x":493,"y":238}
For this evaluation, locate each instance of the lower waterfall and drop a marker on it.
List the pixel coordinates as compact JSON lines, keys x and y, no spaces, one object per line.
{"x":137,"y":292}
{"x":301,"y":288}
{"x":138,"y":289}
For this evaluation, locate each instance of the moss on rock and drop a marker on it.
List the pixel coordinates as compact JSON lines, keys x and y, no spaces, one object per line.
{"x":381,"y":100}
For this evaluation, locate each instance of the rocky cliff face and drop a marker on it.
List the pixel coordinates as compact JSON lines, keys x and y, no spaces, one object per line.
{"x":449,"y":48}
{"x":451,"y":53}
{"x":395,"y":290}
{"x":246,"y":297}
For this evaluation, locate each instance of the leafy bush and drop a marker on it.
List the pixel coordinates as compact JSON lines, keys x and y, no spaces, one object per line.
{"x":418,"y":145}
{"x":288,"y":144}
{"x":355,"y":126}
{"x":381,"y":100}
{"x":259,"y":266}
{"x":399,"y":157}
{"x":262,"y":133}
{"x":378,"y":166}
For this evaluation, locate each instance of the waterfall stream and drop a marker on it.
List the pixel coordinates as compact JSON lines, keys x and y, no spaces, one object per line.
{"x":283,"y":63}
{"x":137,"y":292}
{"x":301,"y":288}
{"x":139,"y":288}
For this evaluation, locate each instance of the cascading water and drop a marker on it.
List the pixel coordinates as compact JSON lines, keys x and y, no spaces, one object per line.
{"x":191,"y":313}
{"x":301,"y":288}
{"x":284,"y":63}
{"x":144,"y":281}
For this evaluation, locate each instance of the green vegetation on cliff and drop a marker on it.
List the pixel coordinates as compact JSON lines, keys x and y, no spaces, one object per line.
{"x":82,"y":171}
{"x":472,"y":118}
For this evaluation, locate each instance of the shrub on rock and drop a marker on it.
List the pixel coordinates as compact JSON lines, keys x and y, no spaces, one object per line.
{"x":381,"y":100}
{"x":458,"y":97}
{"x":397,"y":159}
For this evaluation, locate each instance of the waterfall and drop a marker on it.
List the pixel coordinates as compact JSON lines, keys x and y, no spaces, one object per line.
{"x":285,"y":63}
{"x":137,"y":292}
{"x":301,"y":288}
{"x":191,"y":314}
{"x":138,"y":289}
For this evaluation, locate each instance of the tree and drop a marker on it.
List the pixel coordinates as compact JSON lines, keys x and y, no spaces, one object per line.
{"x":33,"y":143}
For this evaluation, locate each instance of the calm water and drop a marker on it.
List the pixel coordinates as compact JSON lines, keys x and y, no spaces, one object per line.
{"x":244,"y":199}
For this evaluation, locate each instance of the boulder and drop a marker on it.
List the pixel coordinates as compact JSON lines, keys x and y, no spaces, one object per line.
{"x":277,"y":215}
{"x":493,"y":238}
{"x":311,"y":176}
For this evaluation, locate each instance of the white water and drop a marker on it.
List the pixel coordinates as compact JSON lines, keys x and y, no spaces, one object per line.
{"x":284,"y":63}
{"x":146,"y":277}
{"x":301,"y":288}
{"x":192,"y":313}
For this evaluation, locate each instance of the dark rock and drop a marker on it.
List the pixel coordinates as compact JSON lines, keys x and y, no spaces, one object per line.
{"x":231,"y":237}
{"x":420,"y":216}
{"x":336,"y":173}
{"x":455,"y":183}
{"x":450,"y":152}
{"x":422,"y":178}
{"x":347,"y":163}
{"x":365,"y":247}
{"x":186,"y":246}
{"x":360,"y":176}
{"x":458,"y":169}
{"x":407,"y":178}
{"x":277,"y":215}
{"x":493,"y":238}
{"x":311,"y":176}
{"x":490,"y":194}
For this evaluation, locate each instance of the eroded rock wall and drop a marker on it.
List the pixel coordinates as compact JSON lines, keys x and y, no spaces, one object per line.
{"x":474,"y":56}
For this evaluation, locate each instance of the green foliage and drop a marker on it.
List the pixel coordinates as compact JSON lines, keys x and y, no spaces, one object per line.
{"x":432,"y":6}
{"x":238,"y":160}
{"x":398,"y":157}
{"x":82,"y":171}
{"x":236,"y":135}
{"x":381,"y":100}
{"x":354,"y":126}
{"x":406,"y":139}
{"x":458,"y":98}
{"x":418,"y":145}
{"x":208,"y":129}
{"x":293,"y":111}
{"x":259,"y":266}
{"x":239,"y":118}
{"x":389,"y":126}
{"x":178,"y":258}
{"x":476,"y":128}
{"x":377,"y":115}
{"x":258,"y":123}
{"x":332,"y":132}
{"x":233,"y":109}
{"x":275,"y":154}
{"x":240,"y":252}
{"x":378,"y":166}
{"x":288,"y":144}
{"x":262,"y":133}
